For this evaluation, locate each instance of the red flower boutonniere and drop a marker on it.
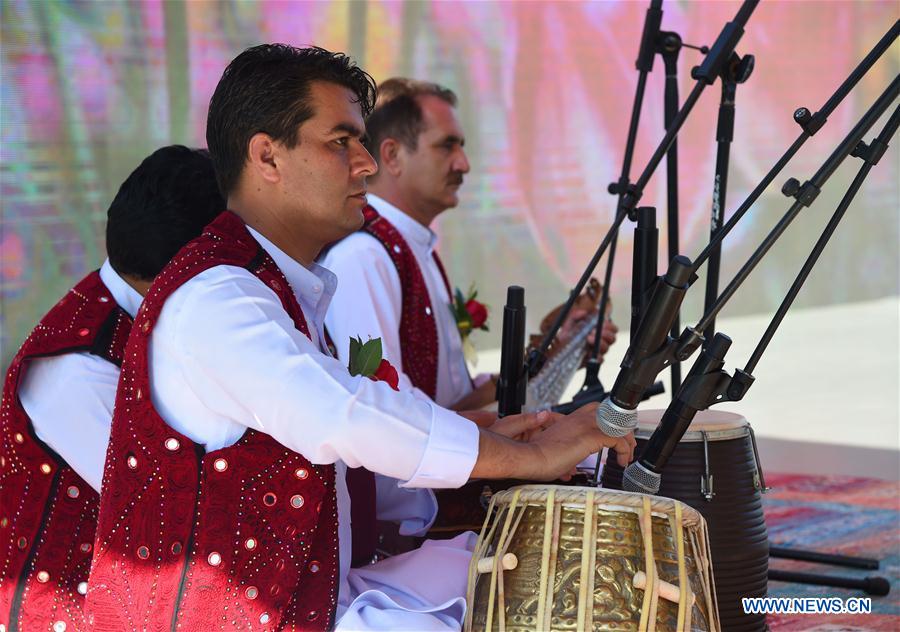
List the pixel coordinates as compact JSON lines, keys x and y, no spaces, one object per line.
{"x":365,"y":359}
{"x":470,"y":315}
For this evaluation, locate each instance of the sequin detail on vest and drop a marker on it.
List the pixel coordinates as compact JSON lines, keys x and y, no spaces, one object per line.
{"x":244,"y":536}
{"x":48,"y":513}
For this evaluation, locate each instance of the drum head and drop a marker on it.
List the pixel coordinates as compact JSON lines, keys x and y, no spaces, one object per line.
{"x":717,"y":425}
{"x":604,"y":499}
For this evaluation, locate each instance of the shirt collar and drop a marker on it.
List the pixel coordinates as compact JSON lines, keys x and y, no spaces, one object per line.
{"x":311,"y":285}
{"x":410,"y":229}
{"x":123,"y":294}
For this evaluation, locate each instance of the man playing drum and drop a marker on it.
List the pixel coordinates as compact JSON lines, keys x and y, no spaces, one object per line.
{"x":225,"y":499}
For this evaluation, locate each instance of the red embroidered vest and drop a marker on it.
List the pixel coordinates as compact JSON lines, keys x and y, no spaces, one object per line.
{"x":47,"y":512}
{"x":245,"y":536}
{"x":418,"y":329}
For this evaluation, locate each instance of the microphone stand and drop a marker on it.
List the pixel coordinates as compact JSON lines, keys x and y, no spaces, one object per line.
{"x":738,"y":71}
{"x":681,"y":348}
{"x":670,"y":49}
{"x":644,"y":65}
{"x":653,"y":42}
{"x":804,"y":196}
{"x":708,"y":384}
{"x":704,"y":75}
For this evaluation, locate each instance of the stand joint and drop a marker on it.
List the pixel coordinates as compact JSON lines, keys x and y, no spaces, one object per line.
{"x":805,"y":193}
{"x":870,"y":154}
{"x":811,"y":123}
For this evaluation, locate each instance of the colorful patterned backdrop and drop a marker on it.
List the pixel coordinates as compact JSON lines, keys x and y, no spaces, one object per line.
{"x":89,"y":88}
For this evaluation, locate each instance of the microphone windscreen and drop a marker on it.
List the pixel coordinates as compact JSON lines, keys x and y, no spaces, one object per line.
{"x":637,"y":478}
{"x":614,"y":421}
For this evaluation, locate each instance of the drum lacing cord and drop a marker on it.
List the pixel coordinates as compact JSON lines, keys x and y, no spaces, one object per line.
{"x":651,"y":590}
{"x":589,"y":547}
{"x":497,"y":582}
{"x":543,"y":588}
{"x":685,"y":594}
{"x":706,"y":568}
{"x":480,"y":548}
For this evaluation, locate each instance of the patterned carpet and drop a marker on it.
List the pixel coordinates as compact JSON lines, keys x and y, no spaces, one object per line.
{"x":842,"y":515}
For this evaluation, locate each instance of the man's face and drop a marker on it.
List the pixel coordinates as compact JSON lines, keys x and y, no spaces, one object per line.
{"x":433,"y":173}
{"x":324,"y":184}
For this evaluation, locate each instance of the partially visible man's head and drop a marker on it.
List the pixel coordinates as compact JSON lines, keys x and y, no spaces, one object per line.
{"x":160,"y":207}
{"x":417,"y":139}
{"x":285,"y":130}
{"x":267,"y":88}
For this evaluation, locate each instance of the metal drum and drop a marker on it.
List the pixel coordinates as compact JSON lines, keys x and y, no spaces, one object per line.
{"x":716,"y":471}
{"x":581,"y":558}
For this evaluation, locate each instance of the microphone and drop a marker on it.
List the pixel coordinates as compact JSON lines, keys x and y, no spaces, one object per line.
{"x":511,"y":383}
{"x":705,"y":384}
{"x":650,"y":351}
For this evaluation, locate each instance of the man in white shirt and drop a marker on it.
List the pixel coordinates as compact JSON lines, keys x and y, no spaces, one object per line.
{"x":416,"y":137}
{"x":242,"y":443}
{"x":392,"y":283}
{"x":60,"y":390}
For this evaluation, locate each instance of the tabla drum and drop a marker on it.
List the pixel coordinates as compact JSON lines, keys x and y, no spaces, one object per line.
{"x":581,"y":558}
{"x":715,"y":470}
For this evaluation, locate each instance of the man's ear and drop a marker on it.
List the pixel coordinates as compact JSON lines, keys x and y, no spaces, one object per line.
{"x":261,"y":154}
{"x":392,"y":155}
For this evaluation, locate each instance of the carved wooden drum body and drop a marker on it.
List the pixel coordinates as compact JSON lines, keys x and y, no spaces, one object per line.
{"x":581,"y":558}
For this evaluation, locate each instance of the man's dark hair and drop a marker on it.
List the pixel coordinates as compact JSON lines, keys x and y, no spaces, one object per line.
{"x":398,"y":114}
{"x":267,"y":89}
{"x":160,"y":207}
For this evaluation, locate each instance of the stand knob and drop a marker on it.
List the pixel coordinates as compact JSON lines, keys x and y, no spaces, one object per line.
{"x":802,"y":116}
{"x":791,"y":187}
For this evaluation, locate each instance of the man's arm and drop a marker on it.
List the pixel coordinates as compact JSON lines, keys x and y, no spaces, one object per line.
{"x":224,"y":339}
{"x":237,"y":350}
{"x":69,"y":399}
{"x":552,"y":452}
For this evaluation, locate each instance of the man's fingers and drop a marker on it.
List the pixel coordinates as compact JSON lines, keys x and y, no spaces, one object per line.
{"x":521,"y":424}
{"x":624,"y":450}
{"x":483,"y":418}
{"x":578,"y":314}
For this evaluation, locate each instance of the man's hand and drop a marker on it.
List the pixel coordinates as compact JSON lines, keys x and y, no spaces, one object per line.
{"x":566,"y":443}
{"x":607,"y":336}
{"x":552,"y":452}
{"x":519,"y":427}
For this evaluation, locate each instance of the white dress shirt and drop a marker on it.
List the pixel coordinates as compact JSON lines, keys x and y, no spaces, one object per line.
{"x":368,"y":302}
{"x":69,"y":398}
{"x":225,"y":356}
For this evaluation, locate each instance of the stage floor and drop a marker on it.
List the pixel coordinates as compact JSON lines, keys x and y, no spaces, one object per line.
{"x":841,"y":515}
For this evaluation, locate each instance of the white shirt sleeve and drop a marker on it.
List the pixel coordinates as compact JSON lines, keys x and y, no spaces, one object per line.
{"x":368,"y":301}
{"x":224,"y":339}
{"x":69,"y":399}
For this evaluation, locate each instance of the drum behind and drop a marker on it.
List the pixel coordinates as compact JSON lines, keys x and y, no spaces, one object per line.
{"x":715,"y":470}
